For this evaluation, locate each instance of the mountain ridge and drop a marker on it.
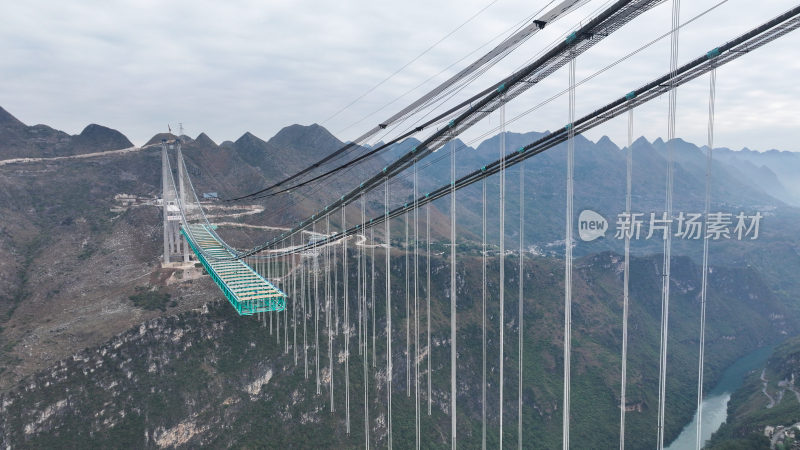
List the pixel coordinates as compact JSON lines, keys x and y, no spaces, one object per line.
{"x":7,"y":119}
{"x":97,"y":217}
{"x":773,"y":171}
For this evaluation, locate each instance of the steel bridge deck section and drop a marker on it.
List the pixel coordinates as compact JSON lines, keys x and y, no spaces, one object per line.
{"x":247,"y":291}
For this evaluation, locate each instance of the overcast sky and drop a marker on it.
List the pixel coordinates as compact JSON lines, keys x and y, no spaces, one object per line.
{"x":235,"y":66}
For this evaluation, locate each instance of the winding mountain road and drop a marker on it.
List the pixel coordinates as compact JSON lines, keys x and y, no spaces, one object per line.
{"x":81,"y":156}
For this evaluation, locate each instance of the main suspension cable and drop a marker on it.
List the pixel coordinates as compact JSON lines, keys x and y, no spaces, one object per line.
{"x":320,"y":187}
{"x":424,"y":52}
{"x":744,"y":44}
{"x":502,"y":49}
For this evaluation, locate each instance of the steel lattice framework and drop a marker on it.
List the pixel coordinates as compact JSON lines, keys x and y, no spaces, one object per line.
{"x":247,"y":291}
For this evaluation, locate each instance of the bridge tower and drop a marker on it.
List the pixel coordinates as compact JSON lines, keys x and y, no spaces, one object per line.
{"x":182,"y":195}
{"x":174,"y":243}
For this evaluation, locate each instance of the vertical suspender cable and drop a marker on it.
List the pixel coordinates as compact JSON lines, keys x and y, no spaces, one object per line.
{"x":372,"y":292}
{"x":704,"y":287}
{"x":364,"y":291}
{"x":276,"y":281}
{"x":305,"y":316}
{"x":483,"y":316}
{"x":269,"y":277}
{"x":265,"y":270}
{"x":261,"y":265}
{"x":328,"y":316}
{"x":428,"y":293}
{"x":294,"y":302}
{"x":287,"y":268}
{"x":408,"y":315}
{"x":359,"y":293}
{"x":416,"y":309}
{"x":363,"y":250}
{"x":388,"y":314}
{"x":254,"y":264}
{"x":626,"y":286}
{"x":258,"y":269}
{"x":521,"y":297}
{"x":335,"y":324}
{"x":316,"y":305}
{"x":335,"y":293}
{"x":502,"y":255}
{"x":264,"y":274}
{"x":263,"y":314}
{"x":365,"y":352}
{"x":662,"y":377}
{"x":568,"y":256}
{"x":346,"y":325}
{"x":278,"y":313}
{"x":453,"y":295}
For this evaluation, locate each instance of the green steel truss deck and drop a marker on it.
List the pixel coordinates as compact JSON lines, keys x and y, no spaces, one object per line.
{"x":246,"y":290}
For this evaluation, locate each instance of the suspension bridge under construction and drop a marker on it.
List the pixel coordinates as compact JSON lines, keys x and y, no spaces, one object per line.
{"x":295,"y":278}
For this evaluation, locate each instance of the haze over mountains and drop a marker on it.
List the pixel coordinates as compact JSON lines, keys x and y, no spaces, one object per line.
{"x":772,"y":172}
{"x":73,"y":199}
{"x":78,"y":237}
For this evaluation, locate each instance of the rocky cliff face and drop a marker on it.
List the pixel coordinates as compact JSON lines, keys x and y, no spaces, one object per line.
{"x":79,"y":236}
{"x":180,"y":381}
{"x":188,"y":380}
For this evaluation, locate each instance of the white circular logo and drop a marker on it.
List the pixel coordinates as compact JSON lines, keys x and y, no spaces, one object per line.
{"x":591,"y":225}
